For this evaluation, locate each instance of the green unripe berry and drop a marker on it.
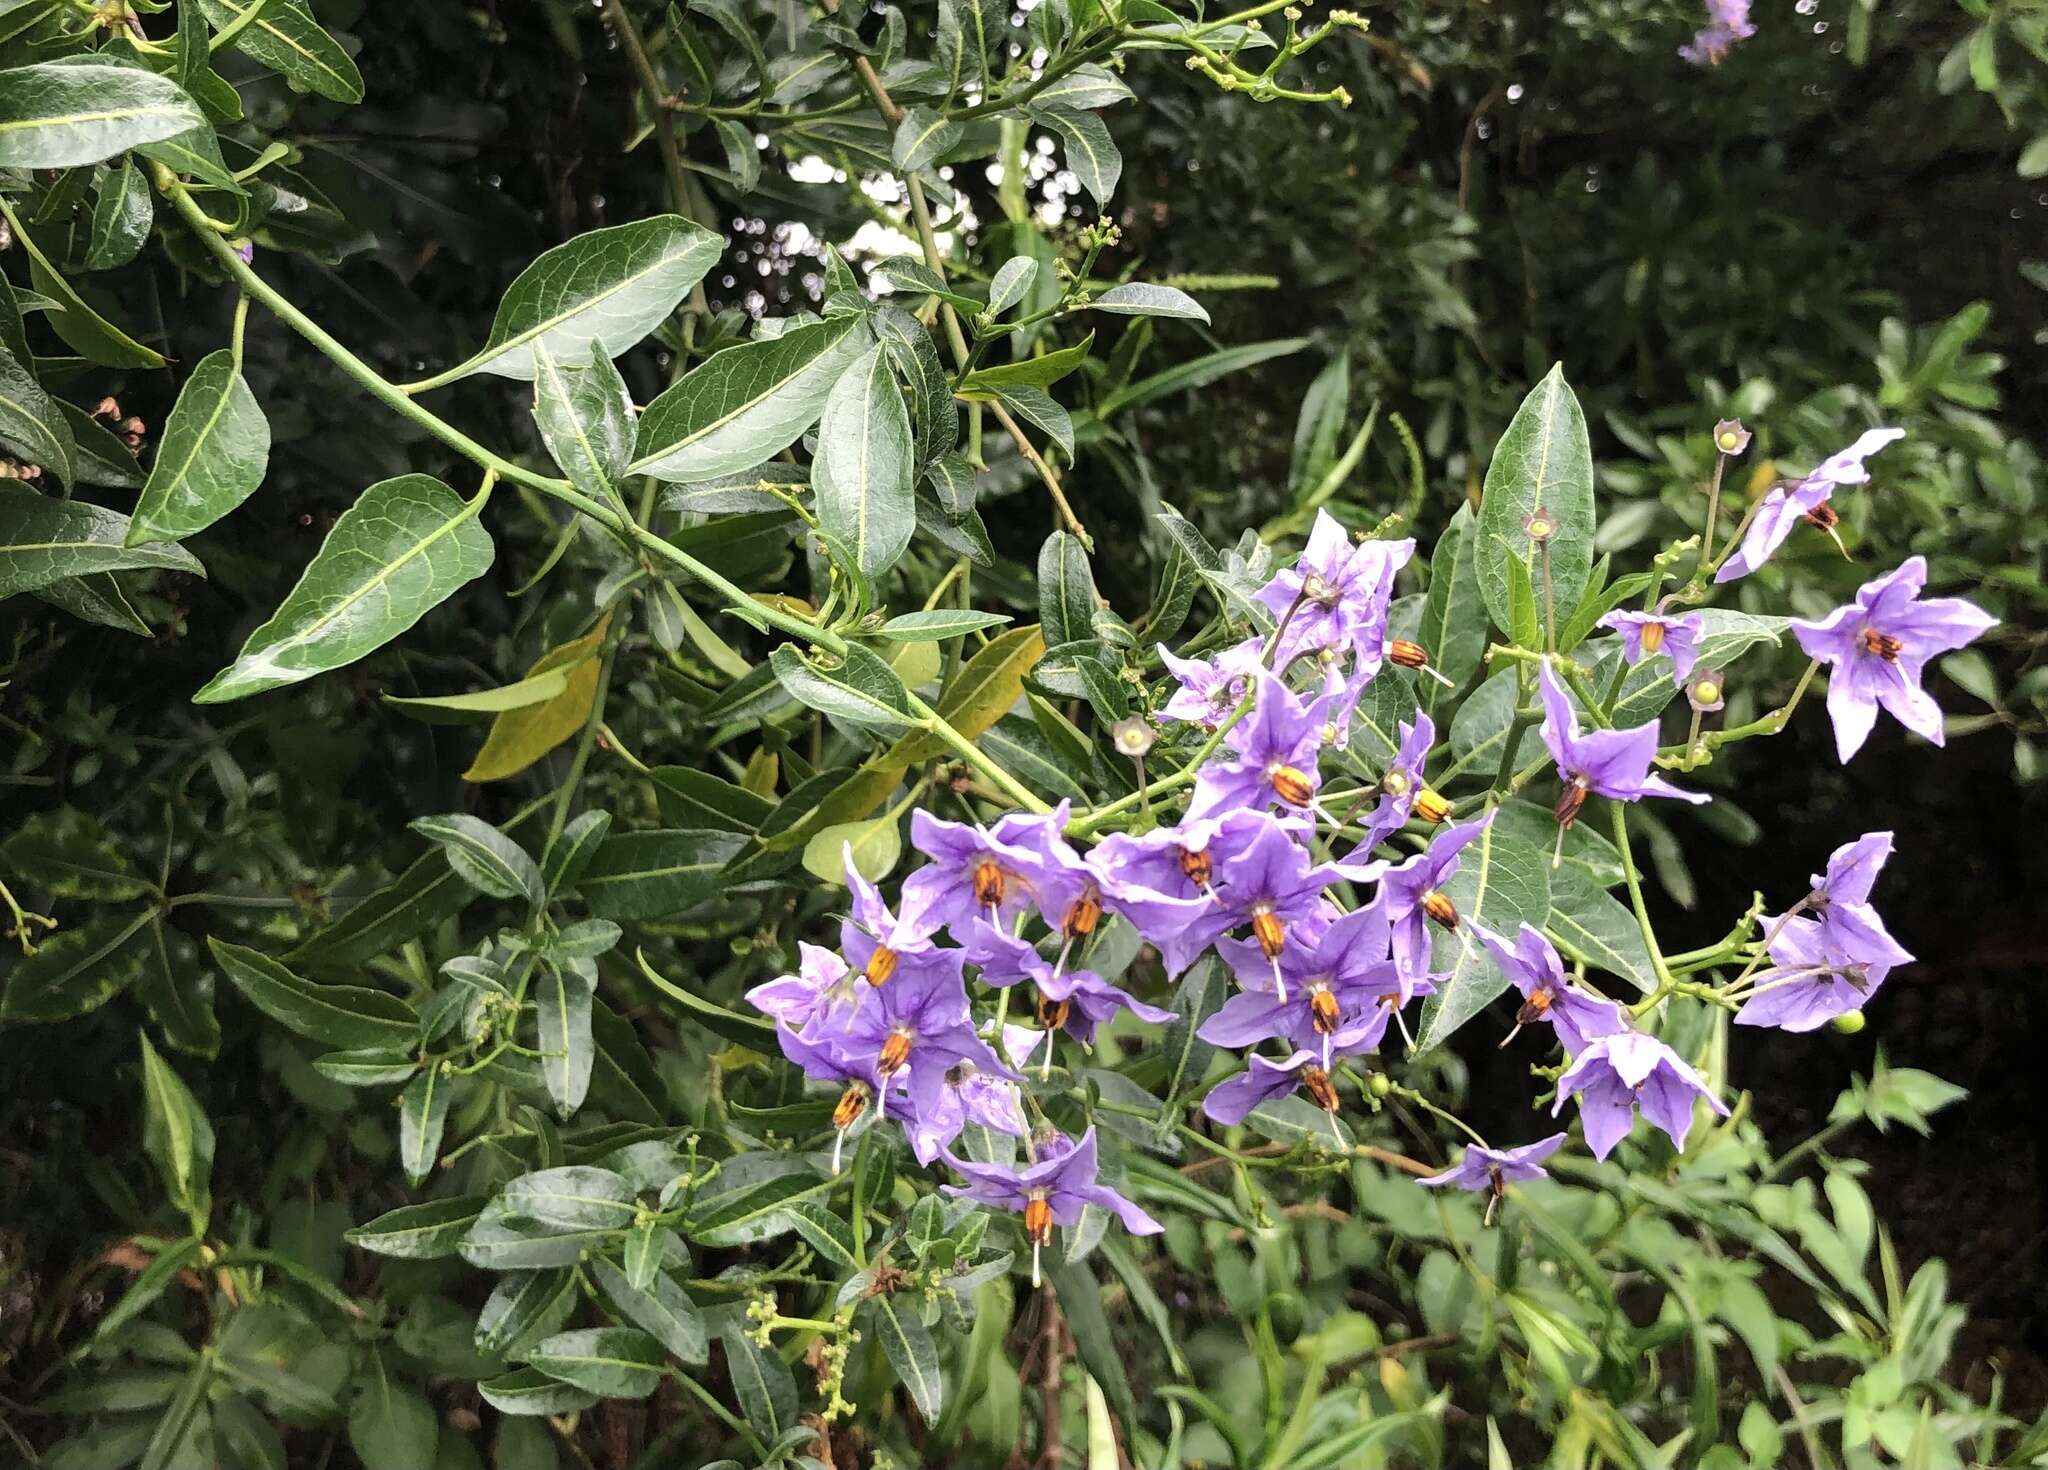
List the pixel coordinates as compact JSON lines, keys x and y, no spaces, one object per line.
{"x":1848,"y":1023}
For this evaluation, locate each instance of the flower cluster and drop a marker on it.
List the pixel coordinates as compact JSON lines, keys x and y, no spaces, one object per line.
{"x":1727,"y":22}
{"x":1328,"y":921}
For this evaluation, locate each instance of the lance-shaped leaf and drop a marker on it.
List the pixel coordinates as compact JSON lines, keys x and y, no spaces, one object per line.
{"x":761,"y":1380}
{"x":1090,"y":153}
{"x":610,"y":287}
{"x":864,"y":469}
{"x":934,"y":415}
{"x":1453,"y":618}
{"x":426,"y":893}
{"x":1136,"y":298}
{"x":530,"y":1392}
{"x":44,"y":540}
{"x":401,"y":549}
{"x":121,"y":217}
{"x":523,"y":733}
{"x":585,"y":417}
{"x":177,"y":1137}
{"x":1033,"y":372}
{"x":68,"y":854}
{"x":908,"y":1344}
{"x":746,"y":404}
{"x":422,"y":1232}
{"x":422,"y":1117}
{"x":76,"y":970}
{"x":1543,"y":462}
{"x":562,"y":1008}
{"x":1066,"y":590}
{"x":484,"y":856}
{"x":285,"y":37}
{"x":651,"y":875}
{"x":612,"y":1362}
{"x":861,"y":691}
{"x":1503,"y":883}
{"x":334,"y":1015}
{"x":31,"y":424}
{"x":214,"y":450}
{"x":661,"y":1308}
{"x":60,"y":116}
{"x":922,"y":137}
{"x":1085,"y":89}
{"x":98,"y":454}
{"x":524,"y":1307}
{"x":454,"y":709}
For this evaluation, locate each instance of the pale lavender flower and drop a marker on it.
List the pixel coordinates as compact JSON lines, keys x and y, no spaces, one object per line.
{"x":1840,"y":898}
{"x":1231,"y":1101}
{"x":1820,"y":974}
{"x":1402,"y":787}
{"x":821,"y":984}
{"x":1533,"y":968}
{"x":1613,"y":763}
{"x":1412,"y":897}
{"x":919,"y":1021}
{"x":1805,"y":499}
{"x":1644,"y":635}
{"x":1273,"y":756}
{"x":826,"y":1056}
{"x":969,"y":1095}
{"x":1877,"y":649}
{"x":1210,"y":689}
{"x":1727,"y":22}
{"x":1337,"y":592}
{"x":1490,"y":1170}
{"x":972,"y":874}
{"x":1615,"y":1075}
{"x":1272,"y":884}
{"x":1052,"y":1192}
{"x":1178,"y":865}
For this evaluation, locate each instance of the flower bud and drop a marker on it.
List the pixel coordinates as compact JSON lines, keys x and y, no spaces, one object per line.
{"x":1380,"y":1085}
{"x":1848,"y":1023}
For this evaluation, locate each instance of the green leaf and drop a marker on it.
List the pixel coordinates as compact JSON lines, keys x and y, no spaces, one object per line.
{"x":334,"y":1015}
{"x":561,"y":1003}
{"x":745,"y":405}
{"x":1066,"y":590}
{"x":121,"y":218}
{"x":530,"y":1391}
{"x":651,"y":875}
{"x":761,"y":1380}
{"x":573,"y":1197}
{"x":877,"y":846}
{"x":922,"y":137}
{"x":400,"y":550}
{"x":76,"y":970}
{"x":425,"y":894}
{"x":1011,"y":283}
{"x":1502,"y":883}
{"x":524,"y":1307}
{"x":391,"y":1425}
{"x":1543,"y":460}
{"x":742,"y":154}
{"x":213,"y":454}
{"x":1196,"y":373}
{"x":1080,"y":1297}
{"x":31,"y":424}
{"x":757,"y":1212}
{"x":177,"y":993}
{"x":1589,"y":924}
{"x":1085,"y":89}
{"x":661,"y":1309}
{"x":1453,"y":616}
{"x":485,"y":857}
{"x":367,"y":1066}
{"x":863,"y":473}
{"x":178,"y":1138}
{"x":98,"y":454}
{"x":585,"y":418}
{"x":1136,"y":298}
{"x":422,"y":1118}
{"x":95,"y":599}
{"x":863,"y":691}
{"x":44,"y":540}
{"x":60,"y":116}
{"x":937,"y":624}
{"x":935,"y":417}
{"x":1031,"y":372}
{"x":285,"y":37}
{"x":911,"y":1353}
{"x":67,"y":854}
{"x":611,"y":1362}
{"x":912,"y":276}
{"x":455,"y":708}
{"x":569,"y":855}
{"x":608,"y":288}
{"x":1090,"y":153}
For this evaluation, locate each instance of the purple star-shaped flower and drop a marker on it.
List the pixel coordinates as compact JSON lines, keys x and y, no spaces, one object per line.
{"x":1272,"y":884}
{"x":969,"y":1095}
{"x":1840,"y":898}
{"x":1232,"y":1101}
{"x":1533,"y":968}
{"x":920,"y":1021}
{"x":1616,"y":1074}
{"x":1079,"y":1001}
{"x":1412,"y":897}
{"x":1727,"y":22}
{"x":1817,"y":977}
{"x":821,"y":984}
{"x":1273,"y":756}
{"x":1492,"y":1169}
{"x":1339,"y":983}
{"x":1210,"y":688}
{"x":1180,"y":864}
{"x":1337,"y":592}
{"x":1614,"y":763}
{"x":830,"y":1058}
{"x":1807,"y":499}
{"x":1073,"y":890}
{"x":972,"y":875}
{"x":1645,"y":635}
{"x":1052,"y":1192}
{"x":1402,"y":786}
{"x":1877,"y":648}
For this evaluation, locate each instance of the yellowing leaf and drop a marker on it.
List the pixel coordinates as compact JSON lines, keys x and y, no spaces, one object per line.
{"x":979,"y":695}
{"x":876,"y":847}
{"x":519,"y":737}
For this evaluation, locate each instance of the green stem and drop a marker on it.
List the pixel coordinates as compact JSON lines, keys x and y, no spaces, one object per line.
{"x":566,"y":796}
{"x":732,"y":1421}
{"x":663,"y":123}
{"x":1814,"y":1144}
{"x":1713,"y":511}
{"x":1635,"y":894}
